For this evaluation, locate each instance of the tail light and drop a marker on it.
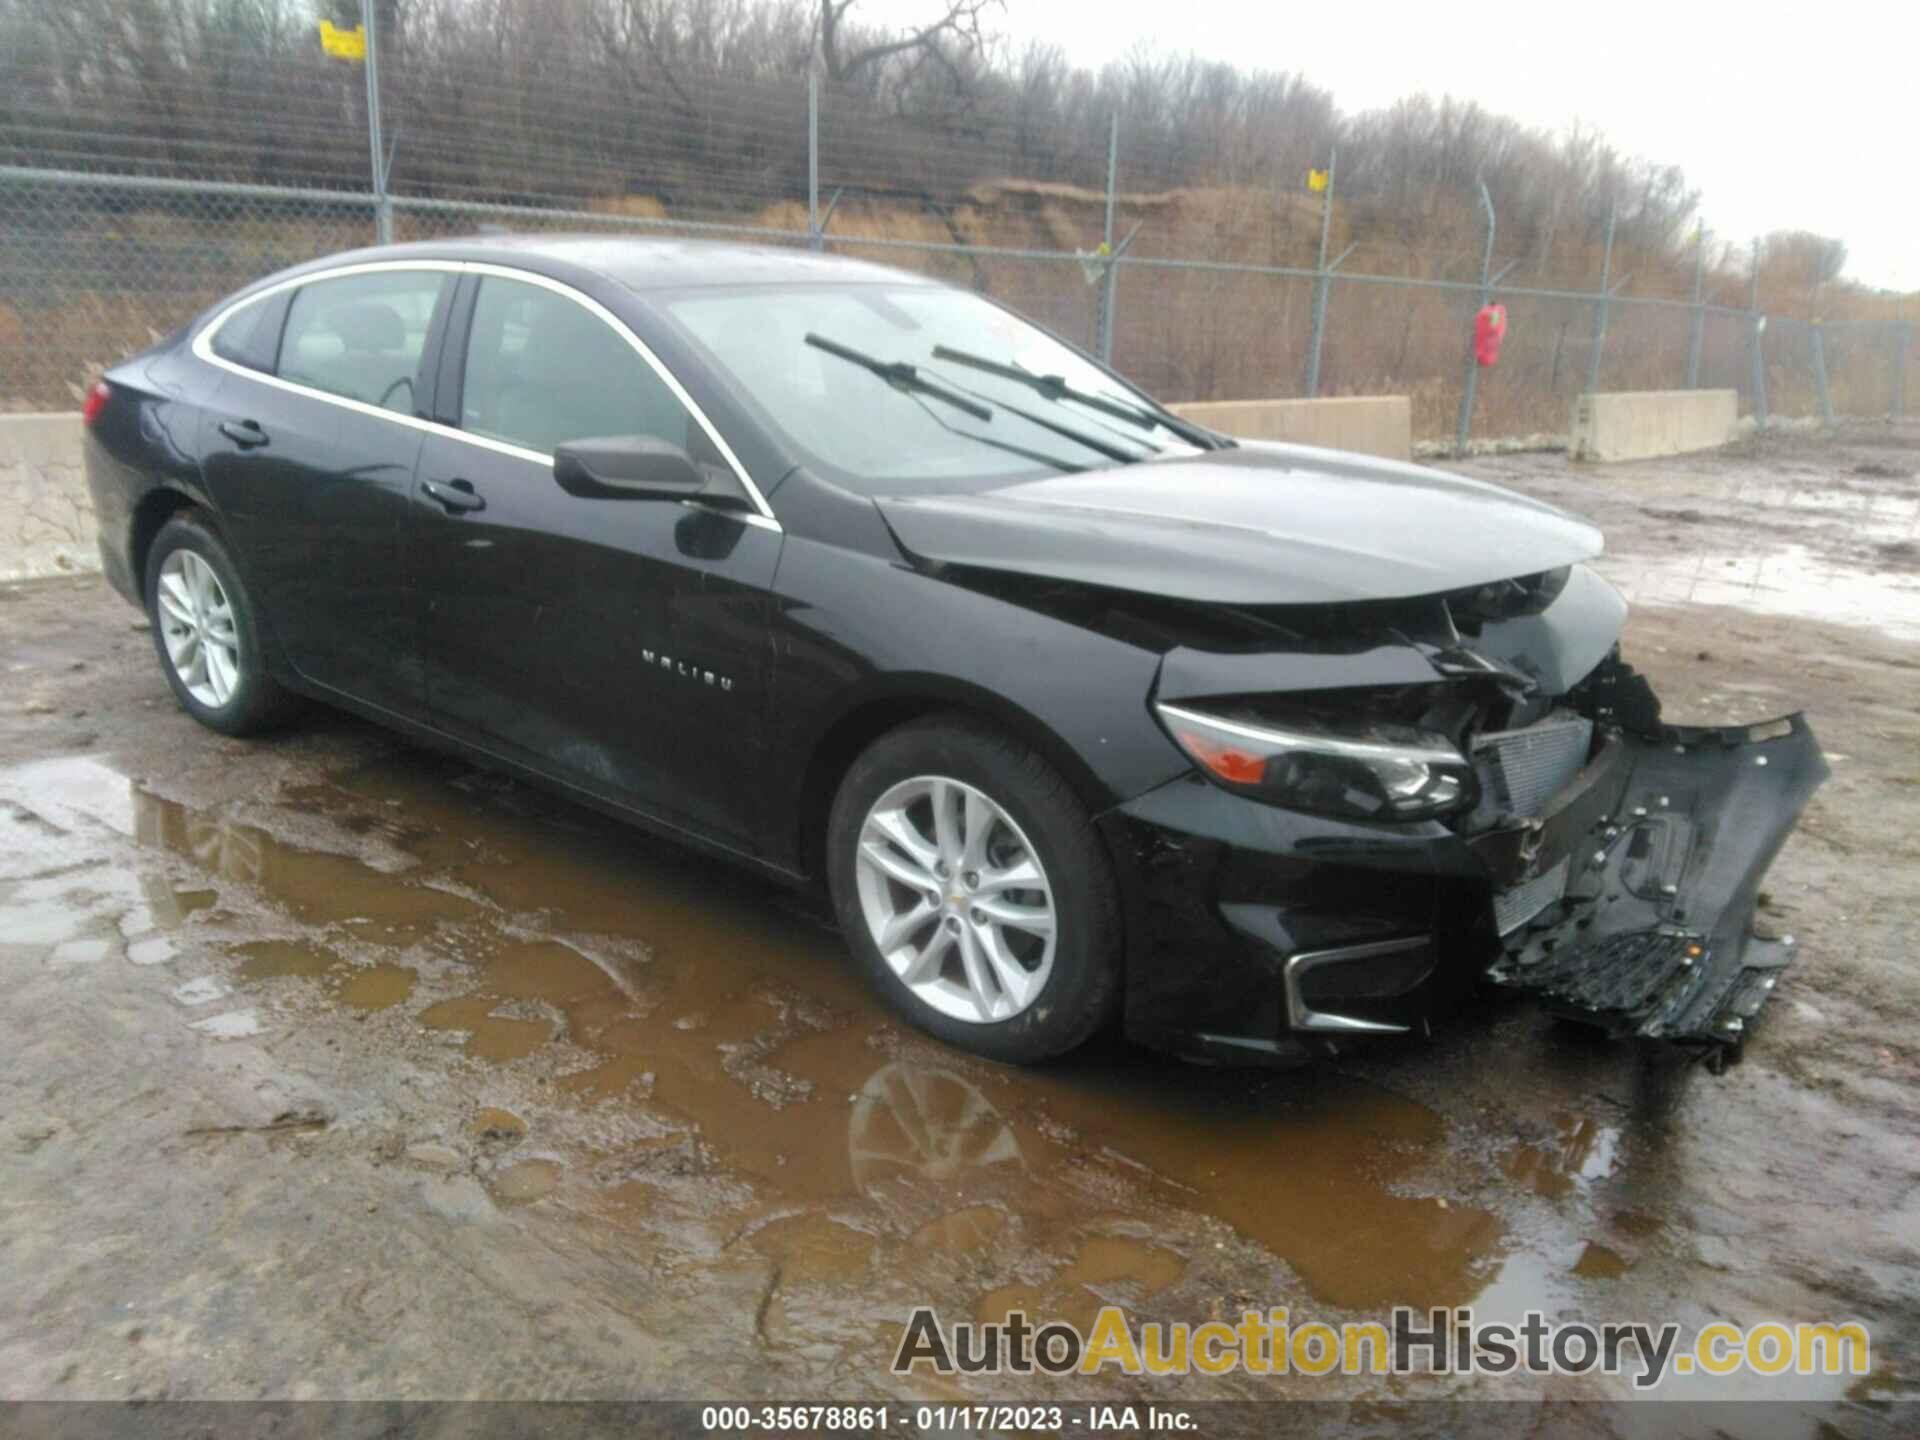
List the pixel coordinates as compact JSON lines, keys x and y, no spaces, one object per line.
{"x":97,"y":396}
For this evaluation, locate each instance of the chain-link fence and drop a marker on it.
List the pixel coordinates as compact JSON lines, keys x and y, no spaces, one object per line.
{"x":1232,"y":291}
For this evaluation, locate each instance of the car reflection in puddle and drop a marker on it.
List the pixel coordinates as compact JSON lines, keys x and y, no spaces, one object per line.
{"x":1587,"y":1150}
{"x":696,"y":1063}
{"x":315,"y":887}
{"x":926,"y":1123}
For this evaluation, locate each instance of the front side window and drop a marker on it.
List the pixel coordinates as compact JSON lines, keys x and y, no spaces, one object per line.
{"x":542,"y":370}
{"x":361,"y":336}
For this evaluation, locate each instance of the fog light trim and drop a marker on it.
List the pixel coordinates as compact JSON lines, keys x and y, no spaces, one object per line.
{"x":1304,"y":1017}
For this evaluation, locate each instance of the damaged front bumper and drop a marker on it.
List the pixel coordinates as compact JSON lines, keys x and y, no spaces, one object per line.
{"x":1627,"y":901}
{"x":1664,"y":846}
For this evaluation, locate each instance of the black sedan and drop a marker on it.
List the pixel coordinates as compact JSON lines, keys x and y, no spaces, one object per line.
{"x":1079,"y":712}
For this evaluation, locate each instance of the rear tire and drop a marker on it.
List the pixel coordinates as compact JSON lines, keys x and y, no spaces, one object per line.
{"x":1001,"y":924}
{"x":206,"y":632}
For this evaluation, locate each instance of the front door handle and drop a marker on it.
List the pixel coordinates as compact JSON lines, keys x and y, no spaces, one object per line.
{"x":247,"y":434}
{"x":456,"y":495}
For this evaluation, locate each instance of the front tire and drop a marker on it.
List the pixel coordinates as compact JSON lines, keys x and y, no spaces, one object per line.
{"x":207,"y":634}
{"x":974,"y":891}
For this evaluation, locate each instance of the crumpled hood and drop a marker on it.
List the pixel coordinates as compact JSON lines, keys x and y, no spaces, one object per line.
{"x":1260,"y":524}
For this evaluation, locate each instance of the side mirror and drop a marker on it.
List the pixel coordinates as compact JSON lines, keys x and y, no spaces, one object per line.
{"x":637,"y":467}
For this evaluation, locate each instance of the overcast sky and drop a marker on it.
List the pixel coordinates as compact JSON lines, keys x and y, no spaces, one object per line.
{"x":1796,"y":116}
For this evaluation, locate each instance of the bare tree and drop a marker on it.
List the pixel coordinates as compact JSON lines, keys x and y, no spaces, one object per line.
{"x":956,"y":30}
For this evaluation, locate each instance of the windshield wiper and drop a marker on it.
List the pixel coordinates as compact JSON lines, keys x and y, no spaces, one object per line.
{"x":900,"y":375}
{"x":1055,"y":387}
{"x":908,"y":378}
{"x":1078,"y":436}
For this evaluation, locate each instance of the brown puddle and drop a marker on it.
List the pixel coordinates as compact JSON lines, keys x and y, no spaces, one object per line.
{"x":726,"y":1013}
{"x":362,"y":987}
{"x":966,"y":1231}
{"x":816,"y":1248}
{"x":489,"y":1037}
{"x":1314,"y":1172}
{"x":1107,"y":1269}
{"x":599,"y":1007}
{"x":315,"y":887}
{"x":1637,"y":1223}
{"x":501,"y":1126}
{"x":377,"y":987}
{"x":271,"y":959}
{"x":1597,"y":1262}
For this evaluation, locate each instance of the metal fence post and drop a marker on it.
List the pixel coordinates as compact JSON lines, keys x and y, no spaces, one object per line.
{"x":1817,"y":339}
{"x":813,"y":159}
{"x":1322,"y":283}
{"x":1696,"y":337}
{"x":1900,"y":339}
{"x":142,"y":291}
{"x":1110,"y":276}
{"x":382,"y":205}
{"x":1473,"y":363}
{"x":1600,"y":310}
{"x":1756,"y":327}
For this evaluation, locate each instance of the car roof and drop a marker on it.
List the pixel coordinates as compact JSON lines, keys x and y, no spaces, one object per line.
{"x":652,"y":263}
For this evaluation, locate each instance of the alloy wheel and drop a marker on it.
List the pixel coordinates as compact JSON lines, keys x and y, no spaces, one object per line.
{"x":197,"y":626}
{"x":956,"y":899}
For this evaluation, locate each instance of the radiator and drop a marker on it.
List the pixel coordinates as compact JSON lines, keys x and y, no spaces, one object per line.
{"x":1513,"y":908}
{"x":1521,"y":770}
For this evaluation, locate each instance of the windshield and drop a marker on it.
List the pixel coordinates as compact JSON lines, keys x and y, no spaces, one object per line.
{"x":849,"y":374}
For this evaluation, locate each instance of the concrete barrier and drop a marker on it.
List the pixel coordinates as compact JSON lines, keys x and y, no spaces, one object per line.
{"x":1641,"y":424}
{"x":1364,"y":424}
{"x":46,"y":514}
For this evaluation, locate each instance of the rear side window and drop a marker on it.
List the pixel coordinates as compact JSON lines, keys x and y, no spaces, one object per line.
{"x":251,"y":335}
{"x":361,"y":336}
{"x":542,"y":370}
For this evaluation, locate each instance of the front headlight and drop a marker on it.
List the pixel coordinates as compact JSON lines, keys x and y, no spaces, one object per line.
{"x":1358,"y":769}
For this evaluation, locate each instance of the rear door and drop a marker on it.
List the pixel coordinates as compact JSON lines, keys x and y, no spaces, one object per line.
{"x":621,"y":645}
{"x":310,"y":449}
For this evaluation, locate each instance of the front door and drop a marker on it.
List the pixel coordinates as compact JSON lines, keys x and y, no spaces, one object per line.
{"x":307,"y":460}
{"x":621,"y":645}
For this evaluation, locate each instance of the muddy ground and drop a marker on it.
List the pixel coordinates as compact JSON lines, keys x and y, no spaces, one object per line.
{"x":333,"y":1068}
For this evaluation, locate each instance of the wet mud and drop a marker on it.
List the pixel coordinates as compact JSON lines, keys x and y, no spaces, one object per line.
{"x":423,"y":1042}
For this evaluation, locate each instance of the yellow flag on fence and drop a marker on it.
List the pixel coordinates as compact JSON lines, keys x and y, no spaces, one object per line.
{"x":1317,"y":180}
{"x":343,"y":44}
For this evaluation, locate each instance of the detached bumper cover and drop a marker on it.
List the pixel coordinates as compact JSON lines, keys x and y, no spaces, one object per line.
{"x":1266,"y":935}
{"x":1652,"y":936}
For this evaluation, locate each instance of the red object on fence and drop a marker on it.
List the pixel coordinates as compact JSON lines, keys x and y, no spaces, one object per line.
{"x":1489,"y":329}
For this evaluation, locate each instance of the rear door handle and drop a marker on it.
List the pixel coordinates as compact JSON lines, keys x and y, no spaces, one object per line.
{"x":247,"y":434}
{"x":456,"y":495}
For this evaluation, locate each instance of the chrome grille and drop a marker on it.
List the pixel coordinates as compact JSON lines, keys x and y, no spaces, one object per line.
{"x":1521,"y":770}
{"x":1513,"y":908}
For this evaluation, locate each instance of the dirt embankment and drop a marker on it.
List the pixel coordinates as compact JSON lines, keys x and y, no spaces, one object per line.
{"x":1183,"y":333}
